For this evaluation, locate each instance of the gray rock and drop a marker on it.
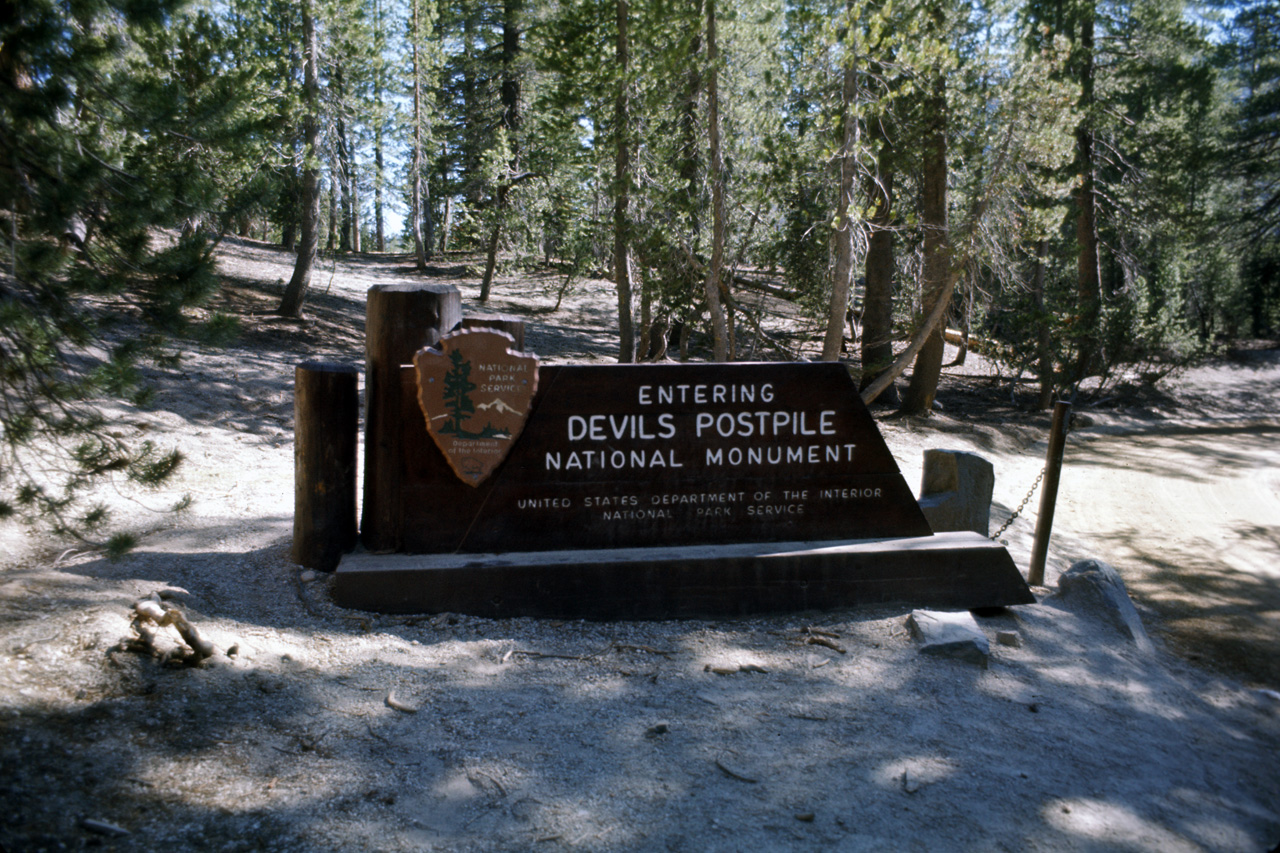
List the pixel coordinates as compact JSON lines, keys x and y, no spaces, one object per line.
{"x":1096,"y":585}
{"x":1009,"y":638}
{"x":955,"y":491}
{"x":953,"y":635}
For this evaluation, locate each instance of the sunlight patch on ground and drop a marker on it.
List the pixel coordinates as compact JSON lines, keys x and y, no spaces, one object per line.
{"x":1113,"y":824}
{"x":913,"y":773}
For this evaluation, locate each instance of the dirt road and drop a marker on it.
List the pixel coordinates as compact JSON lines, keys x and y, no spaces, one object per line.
{"x":1189,"y":511}
{"x":318,"y":729}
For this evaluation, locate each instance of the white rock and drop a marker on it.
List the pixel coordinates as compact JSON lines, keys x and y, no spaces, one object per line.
{"x":954,"y":635}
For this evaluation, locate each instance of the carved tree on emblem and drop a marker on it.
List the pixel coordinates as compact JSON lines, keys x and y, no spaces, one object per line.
{"x":457,"y":393}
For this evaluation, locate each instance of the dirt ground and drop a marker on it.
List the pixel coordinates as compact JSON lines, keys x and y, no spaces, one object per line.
{"x":313,"y":728}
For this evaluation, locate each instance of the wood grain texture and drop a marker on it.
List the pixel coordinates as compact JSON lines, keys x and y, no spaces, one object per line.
{"x":326,"y":418}
{"x":946,"y":571}
{"x":399,"y":321}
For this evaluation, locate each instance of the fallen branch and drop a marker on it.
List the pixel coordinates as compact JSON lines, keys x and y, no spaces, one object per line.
{"x":735,"y":774}
{"x":532,"y":654}
{"x":904,"y":359}
{"x":627,"y":647}
{"x":816,"y":640}
{"x":151,"y":615}
{"x":398,"y":705}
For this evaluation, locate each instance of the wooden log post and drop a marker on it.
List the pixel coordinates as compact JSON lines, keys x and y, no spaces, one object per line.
{"x":326,"y":407}
{"x":400,"y":319}
{"x":513,"y":326}
{"x":1049,"y":497}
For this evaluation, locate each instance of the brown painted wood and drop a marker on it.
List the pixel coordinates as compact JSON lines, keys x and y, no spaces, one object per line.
{"x":528,"y":505}
{"x":399,"y":321}
{"x":948,"y":571}
{"x":326,"y":417}
{"x":474,"y":391}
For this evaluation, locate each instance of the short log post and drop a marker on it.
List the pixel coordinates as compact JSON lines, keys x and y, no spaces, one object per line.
{"x":513,"y":326}
{"x":326,"y":406}
{"x":400,"y":319}
{"x":1049,"y":497}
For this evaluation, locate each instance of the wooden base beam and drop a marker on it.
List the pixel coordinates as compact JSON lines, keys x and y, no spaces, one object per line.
{"x":962,"y":571}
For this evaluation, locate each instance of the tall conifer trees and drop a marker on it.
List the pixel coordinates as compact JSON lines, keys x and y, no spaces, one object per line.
{"x":90,"y":167}
{"x":1096,"y":178}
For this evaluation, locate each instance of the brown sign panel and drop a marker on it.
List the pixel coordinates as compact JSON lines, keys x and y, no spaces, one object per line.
{"x":653,"y":455}
{"x":475,"y":392}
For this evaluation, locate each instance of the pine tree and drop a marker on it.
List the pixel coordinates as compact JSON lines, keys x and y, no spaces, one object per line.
{"x":457,"y":393}
{"x":90,"y":171}
{"x":296,"y":291}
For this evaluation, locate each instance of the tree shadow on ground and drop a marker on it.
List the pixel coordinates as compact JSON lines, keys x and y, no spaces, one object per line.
{"x":327,"y":732}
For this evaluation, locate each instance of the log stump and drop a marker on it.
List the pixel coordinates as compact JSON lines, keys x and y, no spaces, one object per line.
{"x":326,"y":406}
{"x":512,"y":325}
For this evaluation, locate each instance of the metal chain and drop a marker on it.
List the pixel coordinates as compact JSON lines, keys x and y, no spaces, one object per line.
{"x":1018,"y":511}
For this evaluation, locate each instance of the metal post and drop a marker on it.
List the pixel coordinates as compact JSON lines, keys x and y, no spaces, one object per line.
{"x":1049,"y":497}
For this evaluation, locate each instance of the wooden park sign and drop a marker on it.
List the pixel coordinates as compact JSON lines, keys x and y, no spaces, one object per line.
{"x":643,"y":491}
{"x":629,"y":456}
{"x":475,"y":393}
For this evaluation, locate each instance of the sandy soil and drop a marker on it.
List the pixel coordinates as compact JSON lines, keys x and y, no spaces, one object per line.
{"x":315,"y":728}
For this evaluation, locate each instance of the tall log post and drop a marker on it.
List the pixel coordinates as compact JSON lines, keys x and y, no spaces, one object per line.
{"x":513,"y":326}
{"x":400,"y":319}
{"x":326,"y":406}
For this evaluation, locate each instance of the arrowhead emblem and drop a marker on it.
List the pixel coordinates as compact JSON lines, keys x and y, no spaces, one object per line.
{"x":475,"y":392}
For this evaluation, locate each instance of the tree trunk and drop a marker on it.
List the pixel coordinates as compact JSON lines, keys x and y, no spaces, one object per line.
{"x":1044,"y":339}
{"x":415,"y":180}
{"x":920,"y":393}
{"x":428,"y":223}
{"x":691,"y":157}
{"x":495,"y":238}
{"x":342,"y":166}
{"x":446,"y":225}
{"x":645,"y":347}
{"x":933,"y":322}
{"x":353,"y":182}
{"x":379,"y":234}
{"x":720,"y":343}
{"x":510,"y":92}
{"x":296,"y":291}
{"x":331,"y":241}
{"x":877,"y":306}
{"x":842,"y":275}
{"x":622,"y":189}
{"x":1088,"y":275}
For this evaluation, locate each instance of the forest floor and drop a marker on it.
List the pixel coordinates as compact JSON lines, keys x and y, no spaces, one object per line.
{"x":314,"y":728}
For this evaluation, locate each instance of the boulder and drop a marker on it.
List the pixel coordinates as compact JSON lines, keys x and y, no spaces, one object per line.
{"x":953,"y":635}
{"x":955,"y":491}
{"x":1096,"y":585}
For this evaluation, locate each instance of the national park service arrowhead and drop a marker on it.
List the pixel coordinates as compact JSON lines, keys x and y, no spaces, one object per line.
{"x":475,"y":392}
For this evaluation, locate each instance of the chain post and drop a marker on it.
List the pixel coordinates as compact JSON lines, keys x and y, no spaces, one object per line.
{"x":1049,"y":497}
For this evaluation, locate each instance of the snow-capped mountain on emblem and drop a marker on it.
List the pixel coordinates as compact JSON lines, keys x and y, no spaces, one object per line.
{"x":475,"y":393}
{"x":498,"y":406}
